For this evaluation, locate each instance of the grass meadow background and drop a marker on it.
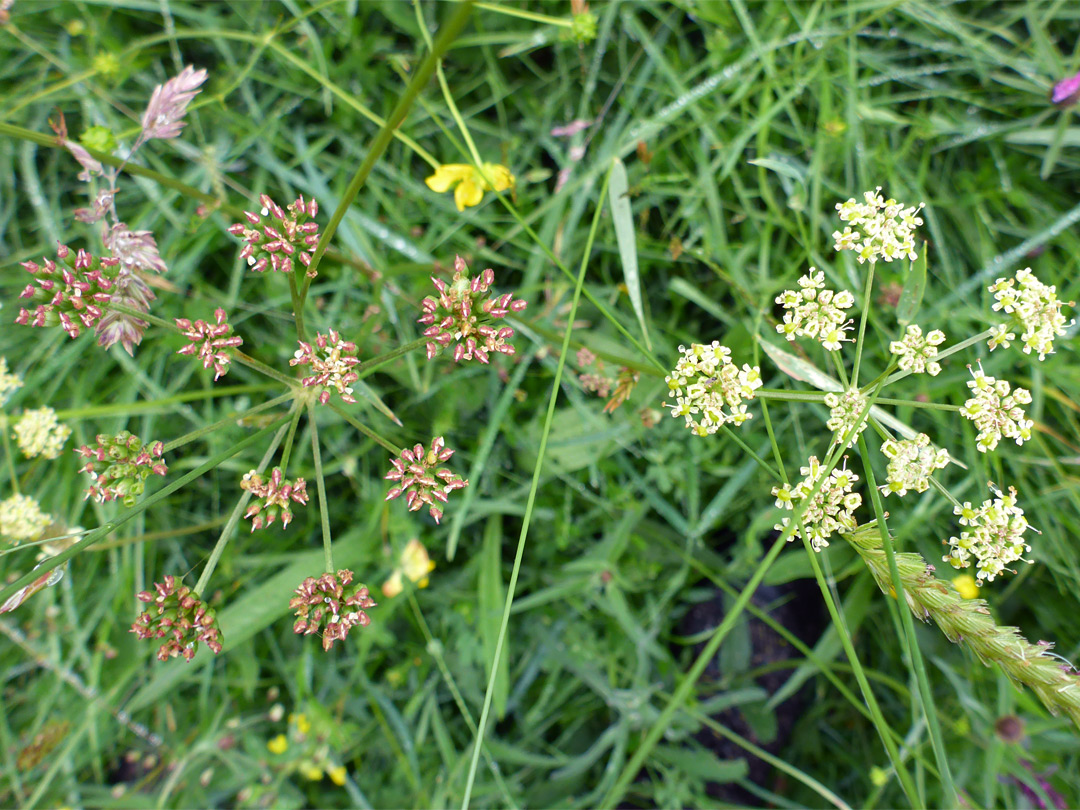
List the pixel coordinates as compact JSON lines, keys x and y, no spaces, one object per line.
{"x":741,"y":126}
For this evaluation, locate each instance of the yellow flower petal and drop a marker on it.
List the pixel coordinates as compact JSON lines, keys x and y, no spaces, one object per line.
{"x":337,"y":775}
{"x":467,"y":193}
{"x":966,"y":586}
{"x":311,"y":772}
{"x":446,"y":176}
{"x":500,"y":176}
{"x":415,"y":562}
{"x":303,"y":725}
{"x":278,"y":745}
{"x":392,"y":587}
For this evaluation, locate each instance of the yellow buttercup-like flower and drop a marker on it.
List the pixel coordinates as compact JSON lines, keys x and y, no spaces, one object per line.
{"x":337,"y":775}
{"x":414,"y":564}
{"x":469,"y":184}
{"x":278,"y":745}
{"x":310,"y":771}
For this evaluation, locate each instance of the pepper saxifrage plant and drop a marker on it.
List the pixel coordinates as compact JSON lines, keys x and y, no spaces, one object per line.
{"x":108,"y":282}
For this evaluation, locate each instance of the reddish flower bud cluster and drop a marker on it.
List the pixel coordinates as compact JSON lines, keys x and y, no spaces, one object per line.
{"x":333,"y":363}
{"x":272,"y":497}
{"x":119,"y":466}
{"x":209,"y":341}
{"x":274,"y":246}
{"x":69,"y":292}
{"x":180,"y":617}
{"x":421,"y":478}
{"x":331,"y":605}
{"x":462,"y":314}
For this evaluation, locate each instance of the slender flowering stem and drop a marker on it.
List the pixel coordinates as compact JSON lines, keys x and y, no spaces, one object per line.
{"x":371,"y":434}
{"x":862,"y":322}
{"x":367,"y":367}
{"x":228,"y":420}
{"x":324,"y":516}
{"x":915,"y":659}
{"x":510,"y":11}
{"x":234,"y":518}
{"x":447,"y":34}
{"x":286,"y":454}
{"x":838,"y":364}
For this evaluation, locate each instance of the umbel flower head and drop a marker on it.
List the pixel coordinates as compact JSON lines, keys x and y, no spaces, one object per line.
{"x":21,"y":519}
{"x":119,"y":466}
{"x":70,"y":292}
{"x":815,"y":312}
{"x":709,"y":389}
{"x":830,"y":511}
{"x":38,"y":433}
{"x":878,"y":228}
{"x":469,"y":184}
{"x":275,"y":245}
{"x":844,"y":412}
{"x":464,"y":313}
{"x":917,"y":351}
{"x":9,"y":381}
{"x":333,"y":360}
{"x":179,"y":616}
{"x":1035,"y":310}
{"x":911,"y":463}
{"x":418,"y":474}
{"x":210,"y":342}
{"x":995,"y":411}
{"x":272,"y":497}
{"x":331,"y":605}
{"x":994,"y":536}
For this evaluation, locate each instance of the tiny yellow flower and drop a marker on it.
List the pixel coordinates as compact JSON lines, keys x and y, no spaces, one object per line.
{"x":337,"y":775}
{"x":278,"y":745}
{"x":303,"y":725}
{"x":311,"y":772}
{"x":413,"y":563}
{"x":879,"y":777}
{"x":470,"y":183}
{"x":966,"y":586}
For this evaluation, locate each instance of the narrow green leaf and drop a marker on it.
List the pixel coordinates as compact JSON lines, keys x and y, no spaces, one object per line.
{"x":914,"y":288}
{"x":491,"y":596}
{"x":623,"y":217}
{"x":703,"y":763}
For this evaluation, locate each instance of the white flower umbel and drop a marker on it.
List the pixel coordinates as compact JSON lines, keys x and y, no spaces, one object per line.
{"x":917,"y":351}
{"x":815,"y":312}
{"x":996,"y":411}
{"x":9,"y":383}
{"x":844,"y":413}
{"x":21,"y":519}
{"x":1035,"y":310}
{"x":878,"y":228}
{"x":829,"y":512}
{"x":993,"y":538}
{"x":38,"y":433}
{"x":911,"y":463}
{"x":709,"y":389}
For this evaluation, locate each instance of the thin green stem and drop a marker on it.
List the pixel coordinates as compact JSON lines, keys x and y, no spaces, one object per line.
{"x":731,"y":434}
{"x":150,"y":405}
{"x":447,"y":33}
{"x":8,"y":455}
{"x":368,"y":366}
{"x":868,"y":288}
{"x":915,"y":659}
{"x":324,"y":514}
{"x":542,"y":19}
{"x":297,"y":307}
{"x":530,"y":503}
{"x":234,"y":518}
{"x":294,"y":422}
{"x":838,"y":364}
{"x":262,"y":368}
{"x":949,"y":351}
{"x":232,"y":419}
{"x":371,"y":434}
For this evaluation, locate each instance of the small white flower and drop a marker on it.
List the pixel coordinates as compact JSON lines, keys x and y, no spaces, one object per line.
{"x":996,"y":411}
{"x":911,"y":463}
{"x":916,"y":352}
{"x":1035,"y":309}
{"x":994,"y":537}
{"x":816,"y":312}
{"x":21,"y":519}
{"x":829,"y":512}
{"x":9,"y":383}
{"x":709,"y":389}
{"x":844,"y":413}
{"x":38,"y":433}
{"x":878,"y":228}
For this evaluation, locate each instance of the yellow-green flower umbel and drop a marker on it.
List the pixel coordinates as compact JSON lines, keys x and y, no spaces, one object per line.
{"x":469,"y":183}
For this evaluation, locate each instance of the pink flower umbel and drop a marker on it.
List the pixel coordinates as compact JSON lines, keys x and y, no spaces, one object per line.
{"x":164,"y":116}
{"x":331,"y":605}
{"x":209,"y":342}
{"x":463,"y":315}
{"x":179,"y":616}
{"x":119,"y":466}
{"x":274,"y":246}
{"x":419,"y":476}
{"x":272,"y":497}
{"x":333,"y":360}
{"x":70,"y":292}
